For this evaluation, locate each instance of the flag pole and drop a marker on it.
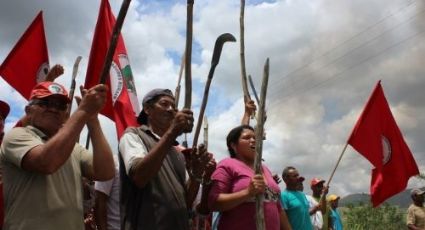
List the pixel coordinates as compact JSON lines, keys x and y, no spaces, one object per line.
{"x":111,"y":49}
{"x":114,"y":40}
{"x":337,"y":164}
{"x":333,"y":171}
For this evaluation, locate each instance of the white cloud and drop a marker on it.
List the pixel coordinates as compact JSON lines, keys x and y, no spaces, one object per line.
{"x":326,"y":57}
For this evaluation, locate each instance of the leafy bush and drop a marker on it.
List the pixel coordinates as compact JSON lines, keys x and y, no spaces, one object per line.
{"x":365,"y":217}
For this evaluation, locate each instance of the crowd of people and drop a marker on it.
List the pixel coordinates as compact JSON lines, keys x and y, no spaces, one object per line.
{"x":152,"y":182}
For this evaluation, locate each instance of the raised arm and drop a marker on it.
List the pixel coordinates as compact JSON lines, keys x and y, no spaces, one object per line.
{"x":47,"y":158}
{"x":249,"y":111}
{"x":145,"y":168}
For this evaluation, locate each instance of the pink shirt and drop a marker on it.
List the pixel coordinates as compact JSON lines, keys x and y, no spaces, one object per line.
{"x":232,"y":176}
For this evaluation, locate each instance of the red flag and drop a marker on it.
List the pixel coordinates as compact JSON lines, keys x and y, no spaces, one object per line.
{"x":377,"y":137}
{"x":28,"y":62}
{"x":122,"y":104}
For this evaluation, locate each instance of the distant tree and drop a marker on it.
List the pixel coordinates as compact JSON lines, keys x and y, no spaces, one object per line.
{"x":365,"y":217}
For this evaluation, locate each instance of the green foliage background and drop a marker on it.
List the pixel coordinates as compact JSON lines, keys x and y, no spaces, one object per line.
{"x":365,"y":217}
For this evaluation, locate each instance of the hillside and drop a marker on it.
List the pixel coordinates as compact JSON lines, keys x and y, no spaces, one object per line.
{"x":402,"y":199}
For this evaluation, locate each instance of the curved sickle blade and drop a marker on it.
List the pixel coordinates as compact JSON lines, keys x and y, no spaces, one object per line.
{"x":226,"y":37}
{"x":215,"y":59}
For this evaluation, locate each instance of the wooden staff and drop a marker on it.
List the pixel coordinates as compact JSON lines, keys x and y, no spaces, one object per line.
{"x":205,"y":132}
{"x":111,"y":49}
{"x":114,"y":40}
{"x":177,"y":92}
{"x":188,"y":56}
{"x":259,"y":133}
{"x":242,"y":52}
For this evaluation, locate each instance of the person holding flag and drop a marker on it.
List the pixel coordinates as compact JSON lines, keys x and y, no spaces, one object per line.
{"x":43,"y":166}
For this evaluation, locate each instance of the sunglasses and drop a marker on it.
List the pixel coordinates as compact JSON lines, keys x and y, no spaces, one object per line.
{"x":59,"y":105}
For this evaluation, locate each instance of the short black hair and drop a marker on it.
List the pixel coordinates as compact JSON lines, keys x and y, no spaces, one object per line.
{"x":286,"y":171}
{"x":233,"y":138}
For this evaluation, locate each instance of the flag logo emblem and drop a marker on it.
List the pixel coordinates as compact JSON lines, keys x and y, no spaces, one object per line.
{"x":42,"y":72}
{"x":116,"y":81}
{"x":55,"y":89}
{"x":386,"y":149}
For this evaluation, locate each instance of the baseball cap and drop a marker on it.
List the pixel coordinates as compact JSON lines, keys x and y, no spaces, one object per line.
{"x":143,"y":117}
{"x":417,"y":191}
{"x":47,"y":89}
{"x":4,"y":109}
{"x":332,"y":197}
{"x":316,"y":181}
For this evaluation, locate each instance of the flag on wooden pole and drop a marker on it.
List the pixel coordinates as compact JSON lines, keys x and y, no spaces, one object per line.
{"x":377,"y":137}
{"x":122,"y":103}
{"x":28,"y":62}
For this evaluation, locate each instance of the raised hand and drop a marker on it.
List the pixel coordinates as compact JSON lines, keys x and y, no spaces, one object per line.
{"x":93,"y":99}
{"x":182,"y":122}
{"x":54,"y":73}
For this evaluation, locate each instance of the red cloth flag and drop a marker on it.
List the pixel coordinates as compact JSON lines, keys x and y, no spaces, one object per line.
{"x":377,"y":137}
{"x":28,"y":62}
{"x":122,"y":104}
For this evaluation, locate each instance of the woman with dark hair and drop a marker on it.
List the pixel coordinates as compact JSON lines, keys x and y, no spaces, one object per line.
{"x":235,"y":186}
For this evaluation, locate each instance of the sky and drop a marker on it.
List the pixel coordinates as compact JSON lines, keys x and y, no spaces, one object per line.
{"x":325,"y":58}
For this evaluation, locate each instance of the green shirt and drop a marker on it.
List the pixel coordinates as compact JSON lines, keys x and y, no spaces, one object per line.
{"x":38,"y":201}
{"x":297,"y":209}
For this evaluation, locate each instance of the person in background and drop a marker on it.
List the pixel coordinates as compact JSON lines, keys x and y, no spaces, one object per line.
{"x":294,"y":201}
{"x":235,"y":186}
{"x":335,"y":222}
{"x":318,"y":212}
{"x":4,"y":111}
{"x":416,"y":211}
{"x":43,"y":166}
{"x":107,"y":205}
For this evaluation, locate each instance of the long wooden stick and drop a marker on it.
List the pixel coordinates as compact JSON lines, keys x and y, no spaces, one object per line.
{"x":259,"y":132}
{"x":206,"y":132}
{"x":188,"y":56}
{"x":242,"y":52}
{"x":114,"y":40}
{"x":177,"y":92}
{"x":333,"y":171}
